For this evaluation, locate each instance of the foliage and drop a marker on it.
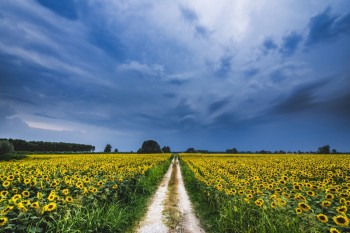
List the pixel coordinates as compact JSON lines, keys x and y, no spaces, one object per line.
{"x":190,"y":150}
{"x":324,"y":149}
{"x":50,"y":192}
{"x":166,"y":149}
{"x":5,"y":147}
{"x":40,"y":146}
{"x":150,"y":146}
{"x":270,"y":193}
{"x":108,"y":148}
{"x":232,"y":151}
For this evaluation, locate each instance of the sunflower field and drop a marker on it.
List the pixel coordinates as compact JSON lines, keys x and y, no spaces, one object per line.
{"x":271,"y":193}
{"x":42,"y":190}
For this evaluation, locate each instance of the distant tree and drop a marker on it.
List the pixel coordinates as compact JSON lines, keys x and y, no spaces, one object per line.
{"x":324,"y":149}
{"x":232,"y":151}
{"x":166,"y":149}
{"x":116,"y":150}
{"x":108,"y":148}
{"x":150,"y":146}
{"x":334,"y":151}
{"x":5,"y":147}
{"x":190,"y":150}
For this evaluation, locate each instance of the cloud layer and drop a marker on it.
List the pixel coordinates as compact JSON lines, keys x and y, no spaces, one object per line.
{"x":188,"y":74}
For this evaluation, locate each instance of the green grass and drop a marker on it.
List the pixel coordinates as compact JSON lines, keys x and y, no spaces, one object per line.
{"x":120,"y":213}
{"x":12,"y":156}
{"x":222,"y":214}
{"x":171,"y":210}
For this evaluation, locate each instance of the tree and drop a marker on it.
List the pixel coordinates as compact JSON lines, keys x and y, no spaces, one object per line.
{"x":108,"y":148}
{"x":232,"y":151}
{"x":166,"y":149}
{"x":334,"y":151}
{"x":190,"y":150}
{"x":150,"y":146}
{"x":5,"y":147}
{"x":116,"y":150}
{"x":324,"y":149}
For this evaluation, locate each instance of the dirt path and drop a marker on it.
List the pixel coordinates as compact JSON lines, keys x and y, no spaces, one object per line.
{"x":170,"y":210}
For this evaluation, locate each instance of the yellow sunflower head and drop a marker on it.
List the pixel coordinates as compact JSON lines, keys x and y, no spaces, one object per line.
{"x":341,"y":220}
{"x":322,"y":218}
{"x":3,"y":221}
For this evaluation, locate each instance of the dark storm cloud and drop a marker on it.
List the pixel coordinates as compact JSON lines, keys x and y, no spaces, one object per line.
{"x":191,"y":17}
{"x":290,"y":43}
{"x":6,"y":111}
{"x":250,"y":72}
{"x":269,"y":45}
{"x":107,"y":41}
{"x":170,"y":95}
{"x":230,"y":120}
{"x":339,"y":106}
{"x":64,"y":8}
{"x":326,"y":26}
{"x":188,"y":14}
{"x":301,"y":99}
{"x":217,"y":105}
{"x":201,"y":31}
{"x":225,"y":66}
{"x":124,"y":70}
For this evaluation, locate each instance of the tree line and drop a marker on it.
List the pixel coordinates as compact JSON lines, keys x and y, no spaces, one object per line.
{"x":41,"y":146}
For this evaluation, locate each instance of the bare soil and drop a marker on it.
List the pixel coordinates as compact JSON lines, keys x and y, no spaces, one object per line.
{"x":170,"y":210}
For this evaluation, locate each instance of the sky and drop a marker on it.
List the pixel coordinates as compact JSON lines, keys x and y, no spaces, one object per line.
{"x":212,"y":75}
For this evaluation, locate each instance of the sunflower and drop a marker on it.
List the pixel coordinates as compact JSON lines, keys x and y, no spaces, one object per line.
{"x":6,"y":210}
{"x":35,"y":205}
{"x":26,"y":193}
{"x":86,"y":180}
{"x":322,"y":218}
{"x":33,"y":183}
{"x":11,"y":177}
{"x":26,"y":181}
{"x":26,"y":202}
{"x":283,"y":202}
{"x":6,"y":184}
{"x":334,"y":230}
{"x":16,"y":197}
{"x":50,"y":207}
{"x":273,"y":204}
{"x":329,"y":196}
{"x":51,"y":197}
{"x":344,"y":195}
{"x":21,"y":207}
{"x":259,"y":202}
{"x":65,"y":192}
{"x":39,"y":195}
{"x":3,"y":221}
{"x":115,"y":186}
{"x":305,"y":207}
{"x":93,"y":189}
{"x":311,"y":193}
{"x":342,"y":209}
{"x":250,"y":196}
{"x":298,"y":210}
{"x":341,"y":220}
{"x":4,"y":193}
{"x":326,"y":204}
{"x":342,"y":201}
{"x":69,"y":199}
